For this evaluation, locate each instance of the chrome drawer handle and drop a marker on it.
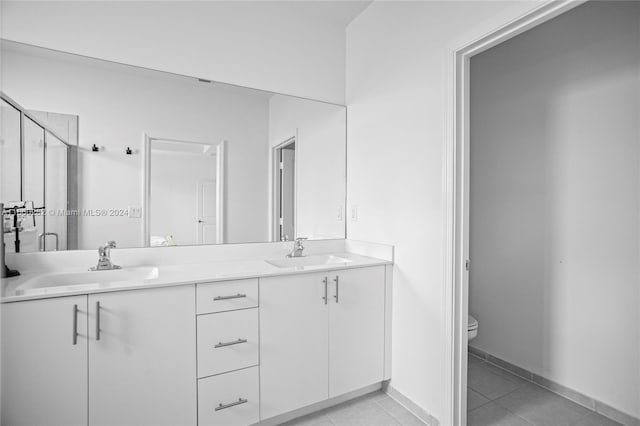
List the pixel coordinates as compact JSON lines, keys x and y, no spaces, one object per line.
{"x":75,"y":325}
{"x":237,"y":296}
{"x":236,"y":342}
{"x":97,"y":320}
{"x":325,"y":281}
{"x":231,"y":404}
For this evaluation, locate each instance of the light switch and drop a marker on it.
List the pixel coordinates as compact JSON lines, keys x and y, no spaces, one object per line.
{"x":135,"y":212}
{"x":354,"y":213}
{"x":339,"y":214}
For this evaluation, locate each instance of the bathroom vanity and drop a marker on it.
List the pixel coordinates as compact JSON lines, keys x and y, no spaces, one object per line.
{"x":192,"y":330}
{"x":222,"y":343}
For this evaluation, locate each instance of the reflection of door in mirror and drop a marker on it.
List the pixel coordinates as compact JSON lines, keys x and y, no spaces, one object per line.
{"x":185,"y":193}
{"x":206,"y":213}
{"x":285,"y":193}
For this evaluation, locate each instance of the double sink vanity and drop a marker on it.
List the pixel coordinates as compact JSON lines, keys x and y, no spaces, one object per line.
{"x":202,"y":319}
{"x":248,"y":338}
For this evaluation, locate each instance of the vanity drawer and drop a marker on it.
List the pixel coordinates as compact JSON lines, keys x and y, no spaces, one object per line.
{"x":226,"y":296}
{"x":229,"y":399}
{"x":227,"y":341}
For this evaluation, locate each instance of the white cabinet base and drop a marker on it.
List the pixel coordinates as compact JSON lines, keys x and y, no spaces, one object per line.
{"x":44,"y":373}
{"x":229,"y":399}
{"x":142,"y":370}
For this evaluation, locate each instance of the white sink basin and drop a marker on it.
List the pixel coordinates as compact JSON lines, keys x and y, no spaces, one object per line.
{"x":308,"y":261}
{"x":63,"y":279}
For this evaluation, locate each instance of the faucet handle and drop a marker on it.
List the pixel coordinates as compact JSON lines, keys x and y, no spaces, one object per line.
{"x":110,"y":244}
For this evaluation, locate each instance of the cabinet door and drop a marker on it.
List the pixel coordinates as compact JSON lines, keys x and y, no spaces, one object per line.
{"x":142,"y":364}
{"x":356,"y":329}
{"x":293,"y":343}
{"x":44,"y":364}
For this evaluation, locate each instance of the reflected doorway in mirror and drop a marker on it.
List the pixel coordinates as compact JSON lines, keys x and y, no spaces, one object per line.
{"x":285,"y":190}
{"x":183,"y":192}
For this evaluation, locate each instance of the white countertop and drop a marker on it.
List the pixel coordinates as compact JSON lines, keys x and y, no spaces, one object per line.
{"x":172,"y":275}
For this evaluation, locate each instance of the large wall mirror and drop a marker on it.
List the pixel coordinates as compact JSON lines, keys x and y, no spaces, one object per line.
{"x":93,"y":151}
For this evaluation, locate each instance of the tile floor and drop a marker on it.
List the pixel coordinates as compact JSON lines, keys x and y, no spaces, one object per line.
{"x":495,"y":398}
{"x":374,"y":409}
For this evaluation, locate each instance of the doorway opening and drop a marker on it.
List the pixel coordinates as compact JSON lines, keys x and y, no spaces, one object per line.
{"x":183,"y":192}
{"x":284,"y":202}
{"x":562,"y":167}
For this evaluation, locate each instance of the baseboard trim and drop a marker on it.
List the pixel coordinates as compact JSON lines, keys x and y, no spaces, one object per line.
{"x":407,"y":403}
{"x":327,"y":403}
{"x":571,"y":394}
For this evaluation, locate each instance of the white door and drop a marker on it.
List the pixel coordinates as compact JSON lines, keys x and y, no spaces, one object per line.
{"x":356,"y":329}
{"x":293,"y":343}
{"x":44,"y":362}
{"x":206,"y":215}
{"x":142,"y":357}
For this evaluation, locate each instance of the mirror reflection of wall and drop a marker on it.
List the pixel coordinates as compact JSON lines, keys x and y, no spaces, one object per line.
{"x":117,"y":105}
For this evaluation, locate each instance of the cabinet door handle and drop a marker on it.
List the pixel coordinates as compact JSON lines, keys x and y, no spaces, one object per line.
{"x":222,"y":406}
{"x":235,"y":342}
{"x":75,"y":325}
{"x":337,"y":281}
{"x":97,"y":320}
{"x":326,"y":290}
{"x":237,"y":296}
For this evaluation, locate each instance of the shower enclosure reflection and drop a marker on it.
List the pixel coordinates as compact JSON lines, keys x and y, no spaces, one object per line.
{"x":36,"y":190}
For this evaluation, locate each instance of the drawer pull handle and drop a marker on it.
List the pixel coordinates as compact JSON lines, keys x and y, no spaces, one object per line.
{"x":231,"y":404}
{"x":235,"y":342}
{"x":237,"y":296}
{"x":75,"y":325}
{"x":97,"y":320}
{"x":326,"y":284}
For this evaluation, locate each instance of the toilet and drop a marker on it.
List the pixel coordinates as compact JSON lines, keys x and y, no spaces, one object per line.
{"x":473,"y":328}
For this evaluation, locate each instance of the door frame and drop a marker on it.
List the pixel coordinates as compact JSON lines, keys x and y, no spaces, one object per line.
{"x":456,"y":195}
{"x":274,"y":223}
{"x":146,"y":185}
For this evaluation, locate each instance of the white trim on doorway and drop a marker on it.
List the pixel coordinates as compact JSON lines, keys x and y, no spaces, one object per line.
{"x":456,"y":195}
{"x":146,"y":185}
{"x":274,"y":166}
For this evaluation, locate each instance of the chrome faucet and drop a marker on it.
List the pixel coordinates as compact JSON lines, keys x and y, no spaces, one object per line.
{"x":297,"y":248}
{"x":104,"y":258}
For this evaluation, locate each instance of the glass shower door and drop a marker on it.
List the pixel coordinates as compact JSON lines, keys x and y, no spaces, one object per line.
{"x":55,"y":237}
{"x":33,"y":170}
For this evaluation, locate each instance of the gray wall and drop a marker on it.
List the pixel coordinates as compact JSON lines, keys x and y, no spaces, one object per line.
{"x":555,"y":201}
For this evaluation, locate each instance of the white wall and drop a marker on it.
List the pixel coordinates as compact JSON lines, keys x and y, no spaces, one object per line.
{"x":284,"y":47}
{"x":396,"y":99}
{"x":319,"y":129}
{"x":116,"y":105}
{"x":555,"y":195}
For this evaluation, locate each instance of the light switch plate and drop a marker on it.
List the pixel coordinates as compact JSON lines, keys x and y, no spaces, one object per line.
{"x":354,"y":213}
{"x":339,"y":214}
{"x":135,"y":212}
